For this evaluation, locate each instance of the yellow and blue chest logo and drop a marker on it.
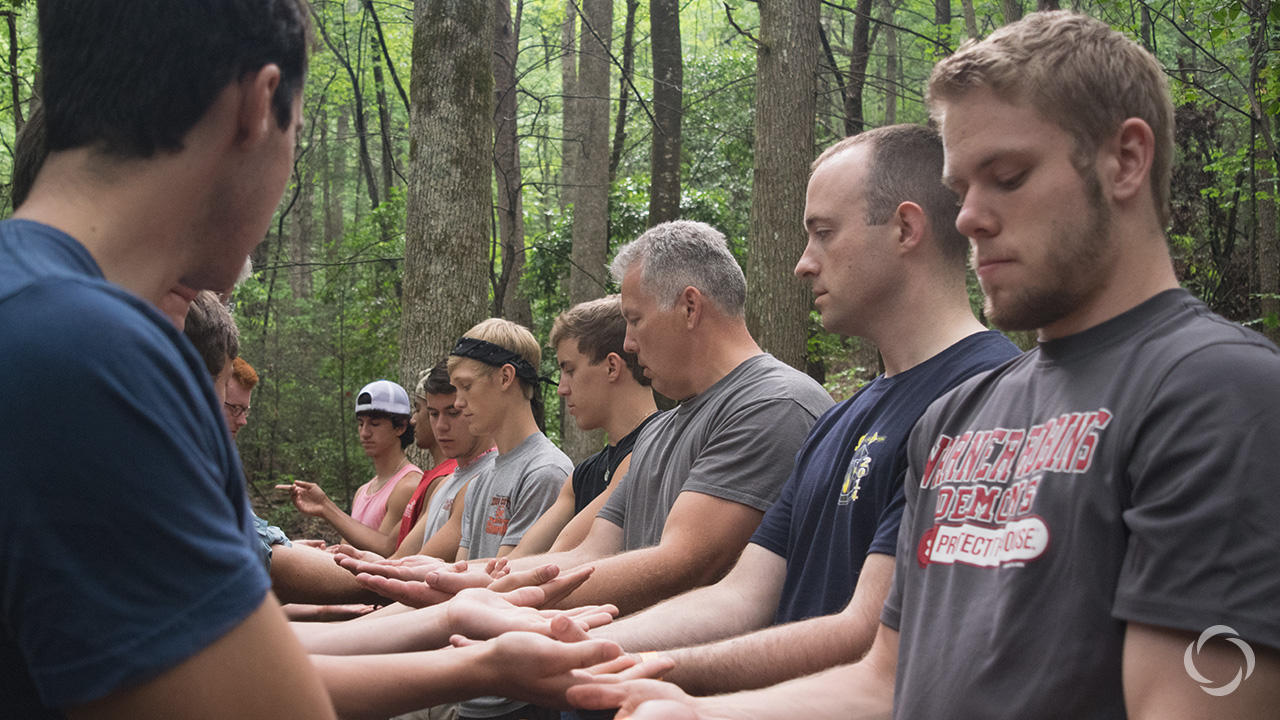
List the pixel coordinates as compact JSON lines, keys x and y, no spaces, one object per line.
{"x":859,"y":467}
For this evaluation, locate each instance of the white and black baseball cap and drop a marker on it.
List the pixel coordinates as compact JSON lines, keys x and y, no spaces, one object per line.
{"x":383,"y":396}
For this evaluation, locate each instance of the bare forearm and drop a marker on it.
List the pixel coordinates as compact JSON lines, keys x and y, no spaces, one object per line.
{"x":637,"y":579}
{"x":770,"y":656}
{"x":416,"y":630}
{"x":847,"y":692}
{"x":381,"y":686}
{"x":701,"y":615}
{"x":306,"y":575}
{"x":358,"y":534}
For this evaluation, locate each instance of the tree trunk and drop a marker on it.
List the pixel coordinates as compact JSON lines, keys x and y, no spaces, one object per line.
{"x":890,"y":67}
{"x":854,"y":121}
{"x":942,"y":21}
{"x":591,"y":202}
{"x":569,"y":142}
{"x":1012,"y":10}
{"x":1268,"y":254}
{"x":970,"y":18}
{"x":11,"y":17}
{"x":786,"y":82}
{"x":668,"y":110}
{"x":624,"y":88}
{"x":1045,"y":5}
{"x":508,"y":300}
{"x":302,"y":231}
{"x":384,"y":128}
{"x":449,"y":190}
{"x":587,"y":276}
{"x":362,"y":130}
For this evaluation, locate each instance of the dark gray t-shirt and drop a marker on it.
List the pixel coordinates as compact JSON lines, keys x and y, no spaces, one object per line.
{"x":736,"y":441}
{"x":1123,"y":474}
{"x":507,"y":500}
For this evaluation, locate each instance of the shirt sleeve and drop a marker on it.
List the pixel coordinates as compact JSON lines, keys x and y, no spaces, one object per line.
{"x":885,"y":541}
{"x":128,"y":541}
{"x":774,"y":533}
{"x":1203,"y":502}
{"x":751,"y":455}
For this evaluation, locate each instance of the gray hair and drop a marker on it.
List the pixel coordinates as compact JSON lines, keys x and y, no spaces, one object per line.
{"x":684,"y":253}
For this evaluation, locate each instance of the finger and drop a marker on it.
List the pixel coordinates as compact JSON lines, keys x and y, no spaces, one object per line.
{"x":565,"y":629}
{"x":525,"y":597}
{"x":560,"y":587}
{"x":611,"y":668}
{"x":285,"y":487}
{"x":463,"y":641}
{"x":596,"y":696}
{"x":413,"y":594}
{"x":593,"y":620}
{"x":654,"y":667}
{"x":525,"y":578}
{"x":610,"y":610}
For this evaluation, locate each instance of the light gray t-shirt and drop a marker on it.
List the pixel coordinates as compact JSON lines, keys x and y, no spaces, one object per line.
{"x":1126,"y":473}
{"x":502,"y":504}
{"x":736,"y":441}
{"x":507,"y":500}
{"x":441,"y":503}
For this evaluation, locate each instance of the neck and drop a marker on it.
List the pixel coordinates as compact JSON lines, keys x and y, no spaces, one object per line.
{"x":517,"y":425}
{"x":1140,"y":270}
{"x":629,"y":408}
{"x":437,"y":455}
{"x":719,"y":353}
{"x":389,"y":463}
{"x":126,"y":216}
{"x":482,"y":446}
{"x":929,"y":314}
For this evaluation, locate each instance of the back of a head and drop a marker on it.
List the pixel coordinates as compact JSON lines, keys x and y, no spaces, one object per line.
{"x":132,"y":77}
{"x":599,"y":329}
{"x":906,"y":166}
{"x":29,"y":151}
{"x":435,"y":381}
{"x":212,"y":331}
{"x":1077,"y":72}
{"x":680,"y":254}
{"x":244,"y":374}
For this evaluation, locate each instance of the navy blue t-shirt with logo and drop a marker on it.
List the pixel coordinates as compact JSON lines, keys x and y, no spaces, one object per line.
{"x":844,"y":497}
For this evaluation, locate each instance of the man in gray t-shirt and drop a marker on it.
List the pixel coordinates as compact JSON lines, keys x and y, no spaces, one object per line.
{"x":702,"y":475}
{"x":506,"y":500}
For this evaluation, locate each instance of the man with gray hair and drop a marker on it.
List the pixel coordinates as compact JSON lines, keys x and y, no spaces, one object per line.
{"x":702,"y":475}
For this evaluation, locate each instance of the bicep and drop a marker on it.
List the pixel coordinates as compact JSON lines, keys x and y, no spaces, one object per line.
{"x":1157,"y":682}
{"x":257,"y":670}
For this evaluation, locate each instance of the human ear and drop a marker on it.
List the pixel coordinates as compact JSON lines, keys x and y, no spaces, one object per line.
{"x":256,"y":118}
{"x":910,"y":221}
{"x":1132,"y":152}
{"x":616,"y":366}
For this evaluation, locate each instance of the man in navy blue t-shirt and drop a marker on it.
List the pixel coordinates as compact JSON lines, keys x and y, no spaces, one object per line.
{"x":886,"y":264}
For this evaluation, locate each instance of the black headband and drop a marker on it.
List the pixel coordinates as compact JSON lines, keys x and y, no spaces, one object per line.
{"x":497,"y":356}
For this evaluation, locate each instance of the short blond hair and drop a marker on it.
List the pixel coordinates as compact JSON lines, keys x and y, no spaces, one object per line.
{"x":1078,"y":73}
{"x":511,"y":336}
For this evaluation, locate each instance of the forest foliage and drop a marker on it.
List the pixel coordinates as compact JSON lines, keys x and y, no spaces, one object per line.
{"x":320,"y":315}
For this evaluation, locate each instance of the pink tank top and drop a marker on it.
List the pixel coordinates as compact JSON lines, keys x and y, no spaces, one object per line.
{"x":369,"y":509}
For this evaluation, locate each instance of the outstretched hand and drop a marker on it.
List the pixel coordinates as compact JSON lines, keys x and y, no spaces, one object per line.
{"x":637,"y":699}
{"x":537,"y":669}
{"x":419,"y":583}
{"x":480,"y":614}
{"x":307,"y":497}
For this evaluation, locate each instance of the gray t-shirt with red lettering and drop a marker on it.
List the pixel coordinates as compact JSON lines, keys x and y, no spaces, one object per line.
{"x":1127,"y":473}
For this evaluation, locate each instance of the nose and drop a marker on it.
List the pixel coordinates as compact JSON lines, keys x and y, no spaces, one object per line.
{"x":563,"y":389}
{"x":807,"y":267}
{"x":629,"y":342}
{"x":975,"y":219}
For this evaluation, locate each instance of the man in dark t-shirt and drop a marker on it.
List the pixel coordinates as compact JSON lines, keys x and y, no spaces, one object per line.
{"x":830,"y":537}
{"x":1089,"y":530}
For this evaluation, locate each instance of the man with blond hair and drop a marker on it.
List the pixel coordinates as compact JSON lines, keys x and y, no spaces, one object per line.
{"x":1085,"y":524}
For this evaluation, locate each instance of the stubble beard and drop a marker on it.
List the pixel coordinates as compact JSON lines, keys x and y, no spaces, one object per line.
{"x":1073,"y":270}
